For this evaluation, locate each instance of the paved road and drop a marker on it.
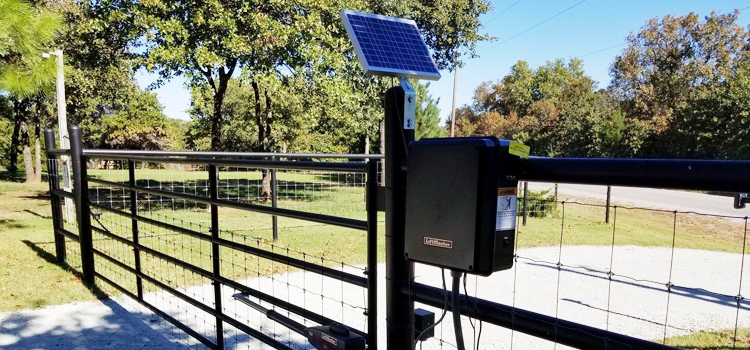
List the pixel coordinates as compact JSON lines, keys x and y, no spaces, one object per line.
{"x":652,"y":198}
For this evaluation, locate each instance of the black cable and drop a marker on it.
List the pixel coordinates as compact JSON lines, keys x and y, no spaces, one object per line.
{"x":456,"y":309}
{"x":445,"y":309}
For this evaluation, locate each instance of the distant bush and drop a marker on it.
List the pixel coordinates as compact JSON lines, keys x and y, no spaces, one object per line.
{"x":538,"y":204}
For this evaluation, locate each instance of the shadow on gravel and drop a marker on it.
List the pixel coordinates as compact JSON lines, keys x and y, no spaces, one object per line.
{"x":695,"y":293}
{"x":108,"y":327}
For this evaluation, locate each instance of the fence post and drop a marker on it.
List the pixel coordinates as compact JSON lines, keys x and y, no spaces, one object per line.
{"x":609,"y":194}
{"x":83,"y":211}
{"x":274,"y":203}
{"x":525,"y":199}
{"x":134,"y":225}
{"x":398,"y":271}
{"x":372,"y":255}
{"x":54,"y":184}
{"x":213,"y":183}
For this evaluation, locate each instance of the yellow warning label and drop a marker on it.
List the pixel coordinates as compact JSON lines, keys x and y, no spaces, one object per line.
{"x":507,"y":191}
{"x":519,"y":149}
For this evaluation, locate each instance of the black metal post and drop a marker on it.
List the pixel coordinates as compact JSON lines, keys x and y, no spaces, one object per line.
{"x":213,"y":183}
{"x":54,"y":184}
{"x":372,"y":255}
{"x":525,"y":200}
{"x":609,"y":194}
{"x":134,"y":225}
{"x":274,"y":203}
{"x":83,"y":211}
{"x":398,"y":271}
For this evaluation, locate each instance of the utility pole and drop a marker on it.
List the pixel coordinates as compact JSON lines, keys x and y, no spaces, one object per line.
{"x":453,"y":109}
{"x":62,"y":126}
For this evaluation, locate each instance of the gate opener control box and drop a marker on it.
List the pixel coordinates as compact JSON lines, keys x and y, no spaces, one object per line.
{"x":461,"y":196}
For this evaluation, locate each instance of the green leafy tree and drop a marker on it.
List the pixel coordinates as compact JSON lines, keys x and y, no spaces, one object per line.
{"x":680,"y":81}
{"x":427,"y":114}
{"x":294,"y":44}
{"x":25,"y":33}
{"x":555,"y":109}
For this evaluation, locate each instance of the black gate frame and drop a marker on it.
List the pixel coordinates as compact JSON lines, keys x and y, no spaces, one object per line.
{"x":79,"y":157}
{"x":401,"y":289}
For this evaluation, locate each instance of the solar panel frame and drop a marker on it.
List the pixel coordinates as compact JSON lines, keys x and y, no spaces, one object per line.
{"x":374,"y":64}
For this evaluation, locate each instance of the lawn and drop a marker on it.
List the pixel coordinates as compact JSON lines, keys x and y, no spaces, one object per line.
{"x":31,"y":278}
{"x":712,"y":340}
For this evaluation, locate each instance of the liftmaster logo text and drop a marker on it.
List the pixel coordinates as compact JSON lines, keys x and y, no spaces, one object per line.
{"x":437,"y":242}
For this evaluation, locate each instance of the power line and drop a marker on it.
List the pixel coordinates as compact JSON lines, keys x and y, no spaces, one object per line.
{"x":532,"y":27}
{"x":598,"y":51}
{"x":498,"y":15}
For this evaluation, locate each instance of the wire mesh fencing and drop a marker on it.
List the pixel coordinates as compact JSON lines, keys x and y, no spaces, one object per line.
{"x":666,"y":276}
{"x":161,"y":235}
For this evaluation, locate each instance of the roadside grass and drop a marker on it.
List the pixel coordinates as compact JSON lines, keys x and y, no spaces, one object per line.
{"x":712,"y":340}
{"x":30,"y":277}
{"x":584,"y":224}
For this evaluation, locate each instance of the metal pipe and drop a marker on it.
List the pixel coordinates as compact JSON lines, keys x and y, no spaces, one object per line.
{"x":541,"y":326}
{"x":372,"y":255}
{"x":525,"y":201}
{"x":609,"y":196}
{"x":398,"y":271}
{"x":304,"y":265}
{"x":684,"y":174}
{"x":134,"y":226}
{"x":112,"y":152}
{"x":213,"y":192}
{"x":274,"y":203}
{"x":54,"y":194}
{"x":349,"y":167}
{"x":83,"y":213}
{"x":294,"y":214}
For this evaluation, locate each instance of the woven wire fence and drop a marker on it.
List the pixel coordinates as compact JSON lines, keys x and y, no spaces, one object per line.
{"x":658,"y":275}
{"x":333,"y":193}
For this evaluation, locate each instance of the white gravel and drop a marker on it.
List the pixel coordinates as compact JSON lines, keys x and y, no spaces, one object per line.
{"x":636,"y":308}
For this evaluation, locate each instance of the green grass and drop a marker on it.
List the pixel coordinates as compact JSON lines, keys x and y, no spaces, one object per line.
{"x":712,"y":340}
{"x":29,"y":275}
{"x":30,"y":278}
{"x":584,"y":224}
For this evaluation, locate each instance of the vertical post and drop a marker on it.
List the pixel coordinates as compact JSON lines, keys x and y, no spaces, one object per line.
{"x":372,"y":255}
{"x":398,"y":271}
{"x":274,"y":203}
{"x":213,"y":183}
{"x":54,"y":184}
{"x":83,"y":211}
{"x":134,"y":225}
{"x":525,"y":200}
{"x":609,"y":194}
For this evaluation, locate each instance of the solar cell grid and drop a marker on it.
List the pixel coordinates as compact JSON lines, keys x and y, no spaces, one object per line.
{"x":389,"y":46}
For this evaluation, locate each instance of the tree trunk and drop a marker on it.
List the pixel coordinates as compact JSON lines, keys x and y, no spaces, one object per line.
{"x":37,"y":154}
{"x":28,"y":163}
{"x":217,"y":120}
{"x":13,"y":166}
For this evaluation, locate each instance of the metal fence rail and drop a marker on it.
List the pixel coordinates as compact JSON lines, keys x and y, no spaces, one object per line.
{"x":139,"y":246}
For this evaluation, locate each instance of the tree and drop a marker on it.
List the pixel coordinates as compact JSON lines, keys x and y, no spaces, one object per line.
{"x":678,"y":81}
{"x":427,"y":114}
{"x":25,"y":33}
{"x":555,"y":109}
{"x":209,"y":41}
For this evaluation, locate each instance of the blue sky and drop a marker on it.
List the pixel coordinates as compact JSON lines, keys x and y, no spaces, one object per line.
{"x":583,"y":31}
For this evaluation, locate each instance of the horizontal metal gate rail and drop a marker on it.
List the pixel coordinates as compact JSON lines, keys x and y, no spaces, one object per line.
{"x":219,"y":159}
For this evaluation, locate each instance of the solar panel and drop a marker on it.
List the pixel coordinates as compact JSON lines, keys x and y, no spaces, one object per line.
{"x":389,"y":46}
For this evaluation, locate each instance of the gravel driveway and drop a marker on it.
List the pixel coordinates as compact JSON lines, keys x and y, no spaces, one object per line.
{"x":637,"y":308}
